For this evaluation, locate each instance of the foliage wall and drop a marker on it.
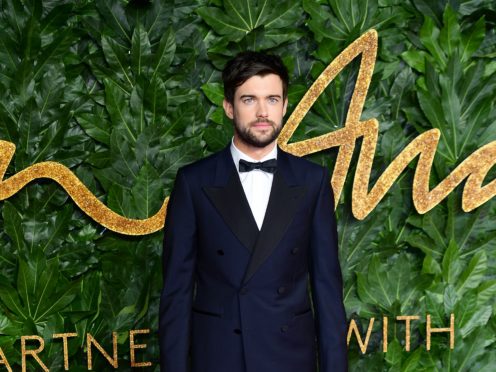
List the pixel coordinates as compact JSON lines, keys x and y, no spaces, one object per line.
{"x":126,"y":92}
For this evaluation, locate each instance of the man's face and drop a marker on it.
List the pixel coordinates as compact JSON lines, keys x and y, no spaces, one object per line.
{"x":257,"y":110}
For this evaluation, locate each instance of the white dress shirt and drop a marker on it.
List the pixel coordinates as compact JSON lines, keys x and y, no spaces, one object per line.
{"x":256,"y":183}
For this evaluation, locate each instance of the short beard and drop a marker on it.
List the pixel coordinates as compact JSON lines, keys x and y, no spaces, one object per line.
{"x":249,"y":138}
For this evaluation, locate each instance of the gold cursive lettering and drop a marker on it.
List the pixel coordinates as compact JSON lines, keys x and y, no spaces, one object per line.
{"x":474,"y":168}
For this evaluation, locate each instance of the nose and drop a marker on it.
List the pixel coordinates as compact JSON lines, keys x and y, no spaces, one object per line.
{"x":262,"y":111}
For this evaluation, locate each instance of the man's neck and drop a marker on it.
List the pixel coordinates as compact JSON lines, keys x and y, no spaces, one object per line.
{"x":254,"y":152}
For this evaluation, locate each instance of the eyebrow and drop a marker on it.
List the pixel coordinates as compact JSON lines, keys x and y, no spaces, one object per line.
{"x":253,"y":96}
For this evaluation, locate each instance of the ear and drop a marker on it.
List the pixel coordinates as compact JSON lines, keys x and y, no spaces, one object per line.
{"x":228,"y":109}
{"x":284,"y":106}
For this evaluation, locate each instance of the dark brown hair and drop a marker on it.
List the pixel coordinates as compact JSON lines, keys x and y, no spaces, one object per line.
{"x":247,"y":64}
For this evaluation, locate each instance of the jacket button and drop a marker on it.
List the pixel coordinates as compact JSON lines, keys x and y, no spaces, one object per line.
{"x":237,"y":331}
{"x":220,"y":252}
{"x":243,"y":291}
{"x":284,"y":328}
{"x":281,"y":290}
{"x":294,"y":250}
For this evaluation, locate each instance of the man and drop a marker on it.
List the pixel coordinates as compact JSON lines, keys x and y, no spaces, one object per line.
{"x":245,"y":228}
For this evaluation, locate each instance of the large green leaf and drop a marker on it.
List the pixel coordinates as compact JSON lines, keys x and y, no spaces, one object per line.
{"x":388,"y":286}
{"x":471,"y":277}
{"x":12,"y":225}
{"x":256,"y":24}
{"x":451,"y":263}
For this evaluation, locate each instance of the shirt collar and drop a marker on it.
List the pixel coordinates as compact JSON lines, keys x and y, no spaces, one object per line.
{"x":237,"y":154}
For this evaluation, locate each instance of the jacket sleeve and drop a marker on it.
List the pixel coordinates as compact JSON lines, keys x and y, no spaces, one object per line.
{"x":179,"y":258}
{"x":326,"y":283}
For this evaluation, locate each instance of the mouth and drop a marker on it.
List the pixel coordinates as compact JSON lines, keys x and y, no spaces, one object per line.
{"x":262,"y":125}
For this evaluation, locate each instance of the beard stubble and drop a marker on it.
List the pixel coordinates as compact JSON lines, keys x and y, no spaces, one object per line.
{"x":247,"y":134}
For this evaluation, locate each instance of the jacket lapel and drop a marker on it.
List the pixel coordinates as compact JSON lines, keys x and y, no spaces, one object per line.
{"x":285,"y":197}
{"x":228,"y":197}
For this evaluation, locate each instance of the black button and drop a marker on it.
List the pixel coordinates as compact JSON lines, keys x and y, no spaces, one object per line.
{"x":294,"y":250}
{"x":243,"y":290}
{"x":237,"y":331}
{"x":281,"y":290}
{"x":220,"y":252}
{"x":284,"y":328}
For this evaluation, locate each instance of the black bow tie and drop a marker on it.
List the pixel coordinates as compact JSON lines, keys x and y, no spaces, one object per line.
{"x":268,"y":166}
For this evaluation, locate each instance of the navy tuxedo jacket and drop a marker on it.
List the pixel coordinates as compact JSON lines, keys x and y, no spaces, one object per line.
{"x":236,"y":299}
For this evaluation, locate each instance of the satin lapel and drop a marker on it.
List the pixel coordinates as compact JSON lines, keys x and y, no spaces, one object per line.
{"x":230,"y":201}
{"x":283,"y":202}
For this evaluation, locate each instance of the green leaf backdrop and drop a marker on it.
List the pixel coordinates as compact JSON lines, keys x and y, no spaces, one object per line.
{"x":126,"y":92}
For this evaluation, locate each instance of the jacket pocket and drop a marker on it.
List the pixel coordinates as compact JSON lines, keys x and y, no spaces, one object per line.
{"x":300,"y":314}
{"x":206,"y":312}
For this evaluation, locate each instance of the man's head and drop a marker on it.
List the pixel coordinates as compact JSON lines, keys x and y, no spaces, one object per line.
{"x":255,"y":97}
